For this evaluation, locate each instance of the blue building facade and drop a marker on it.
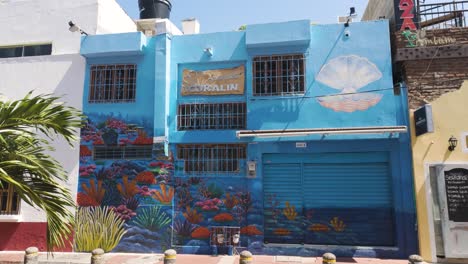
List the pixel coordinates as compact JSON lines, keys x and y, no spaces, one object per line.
{"x":289,"y":135}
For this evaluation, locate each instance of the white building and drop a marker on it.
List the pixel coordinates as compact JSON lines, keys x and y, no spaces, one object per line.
{"x":30,"y":28}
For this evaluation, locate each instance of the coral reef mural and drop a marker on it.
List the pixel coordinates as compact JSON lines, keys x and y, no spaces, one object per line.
{"x":349,"y":74}
{"x":131,"y":197}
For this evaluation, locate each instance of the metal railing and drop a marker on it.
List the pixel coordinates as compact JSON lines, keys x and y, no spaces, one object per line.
{"x":442,"y":15}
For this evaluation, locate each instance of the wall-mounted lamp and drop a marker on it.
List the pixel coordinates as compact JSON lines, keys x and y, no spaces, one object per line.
{"x":453,"y":141}
{"x":208,"y":51}
{"x":352,"y":14}
{"x":75,"y":28}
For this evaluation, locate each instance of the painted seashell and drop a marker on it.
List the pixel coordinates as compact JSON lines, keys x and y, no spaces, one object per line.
{"x":350,"y":103}
{"x":348,"y":73}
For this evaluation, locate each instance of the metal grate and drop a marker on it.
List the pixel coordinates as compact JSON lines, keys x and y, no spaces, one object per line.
{"x":211,"y":116}
{"x":278,"y":75}
{"x":211,"y":158}
{"x":122,"y":152}
{"x":112,"y":83}
{"x":9,"y":200}
{"x":442,"y":15}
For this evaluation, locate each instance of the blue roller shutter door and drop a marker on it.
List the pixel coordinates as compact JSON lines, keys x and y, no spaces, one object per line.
{"x":346,"y":199}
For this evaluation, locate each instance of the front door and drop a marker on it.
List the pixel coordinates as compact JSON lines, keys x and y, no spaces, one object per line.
{"x":453,"y":196}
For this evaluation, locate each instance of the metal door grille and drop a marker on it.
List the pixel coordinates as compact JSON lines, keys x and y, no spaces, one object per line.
{"x":9,"y":200}
{"x":278,"y":75}
{"x":112,"y":83}
{"x":216,"y":158}
{"x":122,"y":152}
{"x":211,"y":116}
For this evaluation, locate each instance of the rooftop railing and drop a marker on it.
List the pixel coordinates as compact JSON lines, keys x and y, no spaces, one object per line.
{"x":442,"y":15}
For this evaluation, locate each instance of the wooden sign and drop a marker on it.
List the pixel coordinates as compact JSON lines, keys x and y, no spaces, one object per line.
{"x":456,"y":185}
{"x":214,"y":82}
{"x":423,"y":120}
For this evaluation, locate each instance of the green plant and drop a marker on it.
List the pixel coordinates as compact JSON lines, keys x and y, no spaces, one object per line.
{"x":152,"y":218}
{"x":97,"y":227}
{"x":26,"y":163}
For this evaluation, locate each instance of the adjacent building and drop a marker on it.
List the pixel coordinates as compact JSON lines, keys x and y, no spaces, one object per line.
{"x":285,"y":138}
{"x":430,"y":55}
{"x":38,"y":53}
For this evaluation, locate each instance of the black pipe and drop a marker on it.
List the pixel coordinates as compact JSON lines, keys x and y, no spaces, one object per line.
{"x":154,"y":8}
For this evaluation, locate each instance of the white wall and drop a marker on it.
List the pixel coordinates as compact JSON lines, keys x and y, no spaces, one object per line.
{"x":46,"y":21}
{"x":113,"y":19}
{"x":62,"y":75}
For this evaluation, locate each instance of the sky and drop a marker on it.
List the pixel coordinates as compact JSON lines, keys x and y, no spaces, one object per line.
{"x":226,"y":15}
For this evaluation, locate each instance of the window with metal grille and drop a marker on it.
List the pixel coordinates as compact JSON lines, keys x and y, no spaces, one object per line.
{"x":122,"y":152}
{"x":112,"y":83}
{"x":9,"y":200}
{"x":25,"y":50}
{"x":211,"y":116}
{"x":211,"y":158}
{"x":278,"y":75}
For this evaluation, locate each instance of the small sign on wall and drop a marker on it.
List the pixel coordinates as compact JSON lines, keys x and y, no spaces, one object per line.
{"x":301,"y":145}
{"x":423,"y":120}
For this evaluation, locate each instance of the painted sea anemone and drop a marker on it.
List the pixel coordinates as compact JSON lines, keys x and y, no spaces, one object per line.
{"x":201,"y":233}
{"x":145,"y":177}
{"x":250,"y":230}
{"x":319,"y":228}
{"x":223,"y":217}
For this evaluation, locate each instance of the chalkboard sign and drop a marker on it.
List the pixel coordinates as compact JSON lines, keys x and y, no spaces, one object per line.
{"x":456,"y":186}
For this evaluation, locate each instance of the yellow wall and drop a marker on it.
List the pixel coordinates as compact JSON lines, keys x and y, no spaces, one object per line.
{"x":450,"y":114}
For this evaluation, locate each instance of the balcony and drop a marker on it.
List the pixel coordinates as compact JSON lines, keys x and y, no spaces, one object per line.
{"x":442,"y":15}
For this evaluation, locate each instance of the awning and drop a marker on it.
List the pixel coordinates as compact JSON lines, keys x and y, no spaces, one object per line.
{"x":321,"y":131}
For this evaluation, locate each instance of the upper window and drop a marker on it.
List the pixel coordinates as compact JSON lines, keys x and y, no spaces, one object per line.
{"x":9,"y":200}
{"x":112,"y":83}
{"x":278,"y":75}
{"x":25,"y":51}
{"x":211,"y":116}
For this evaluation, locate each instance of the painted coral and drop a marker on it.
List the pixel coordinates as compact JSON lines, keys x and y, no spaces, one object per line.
{"x":250,"y":230}
{"x":127,"y":189}
{"x":86,"y":171}
{"x":94,"y":191}
{"x":145,"y":191}
{"x":201,"y":233}
{"x":145,"y":177}
{"x":123,"y":212}
{"x":223,"y":217}
{"x":166,"y":194}
{"x":84,"y":200}
{"x":230,"y":201}
{"x":209,"y":204}
{"x":290,"y":212}
{"x":337,"y":224}
{"x":281,"y":232}
{"x":192,"y":215}
{"x":85,"y":151}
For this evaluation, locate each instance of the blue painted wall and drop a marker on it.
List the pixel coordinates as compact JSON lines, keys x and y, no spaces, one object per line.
{"x":348,"y":84}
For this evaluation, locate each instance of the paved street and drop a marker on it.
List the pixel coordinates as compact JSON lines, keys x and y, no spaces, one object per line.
{"x":81,"y":258}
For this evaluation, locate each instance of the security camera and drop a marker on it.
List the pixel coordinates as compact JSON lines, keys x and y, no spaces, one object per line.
{"x":347,"y":33}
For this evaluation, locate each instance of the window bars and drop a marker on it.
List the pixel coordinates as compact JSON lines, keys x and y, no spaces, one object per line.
{"x":211,"y":158}
{"x":278,"y":75}
{"x":122,"y":152}
{"x":211,"y":116}
{"x":112,"y":83}
{"x":9,"y":200}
